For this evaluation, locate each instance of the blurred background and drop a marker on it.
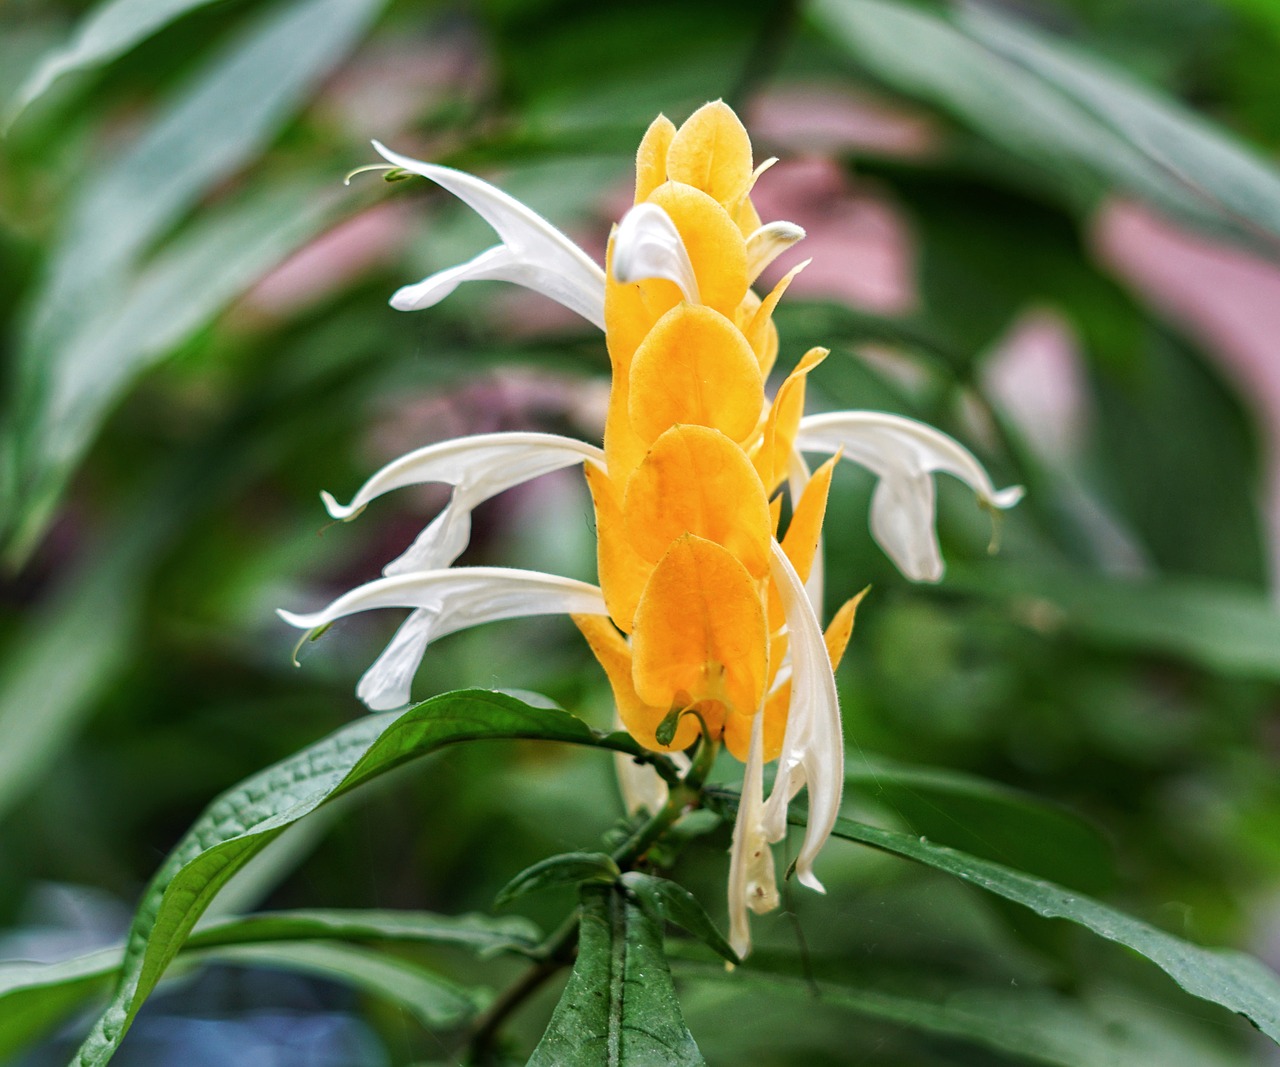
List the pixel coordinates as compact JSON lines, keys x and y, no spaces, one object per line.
{"x":1050,"y":227}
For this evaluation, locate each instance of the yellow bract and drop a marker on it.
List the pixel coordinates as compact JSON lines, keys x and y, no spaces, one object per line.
{"x":683,"y":486}
{"x":686,"y":515}
{"x":699,"y":630}
{"x":712,"y":152}
{"x":694,"y":367}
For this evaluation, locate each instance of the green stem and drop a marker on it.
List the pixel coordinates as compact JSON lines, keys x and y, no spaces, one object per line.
{"x":557,"y":951}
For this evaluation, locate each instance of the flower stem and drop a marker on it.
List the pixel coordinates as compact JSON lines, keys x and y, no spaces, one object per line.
{"x":557,"y":951}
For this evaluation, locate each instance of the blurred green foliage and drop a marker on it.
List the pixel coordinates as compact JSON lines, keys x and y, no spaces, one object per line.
{"x":168,"y":418}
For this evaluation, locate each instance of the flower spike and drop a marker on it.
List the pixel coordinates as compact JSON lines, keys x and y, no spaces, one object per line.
{"x":533,"y":253}
{"x":707,"y":618}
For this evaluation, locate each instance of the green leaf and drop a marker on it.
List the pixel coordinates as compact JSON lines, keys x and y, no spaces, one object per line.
{"x":987,"y":819}
{"x":243,"y":821}
{"x":1187,"y":150}
{"x":1036,"y":1025}
{"x":665,"y":900}
{"x":64,"y":656}
{"x":620,"y":1005}
{"x":108,"y":31}
{"x":1233,"y":631}
{"x":1088,"y":127}
{"x":569,"y":868}
{"x":36,"y":997}
{"x":96,"y":322}
{"x":185,"y":286}
{"x":1232,"y":979}
{"x":436,"y":1003}
{"x":483,"y":934}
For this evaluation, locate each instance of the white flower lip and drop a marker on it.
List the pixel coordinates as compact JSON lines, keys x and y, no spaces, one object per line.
{"x":648,"y":245}
{"x":769,"y":242}
{"x":903,"y":454}
{"x":478,"y":467}
{"x":447,"y":600}
{"x":533,"y":253}
{"x":813,"y":744}
{"x":752,"y":879}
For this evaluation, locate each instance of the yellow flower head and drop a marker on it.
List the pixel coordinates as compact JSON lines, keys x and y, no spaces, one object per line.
{"x":705,"y":619}
{"x":694,"y":452}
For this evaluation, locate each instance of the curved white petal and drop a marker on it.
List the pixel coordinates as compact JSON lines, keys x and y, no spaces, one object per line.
{"x":387,"y":683}
{"x":753,"y":883}
{"x":813,"y":745}
{"x":798,"y":475}
{"x":641,"y":786}
{"x":769,"y":242}
{"x":648,"y":245}
{"x":448,"y":600}
{"x":533,"y":252}
{"x":478,"y":467}
{"x":903,"y":453}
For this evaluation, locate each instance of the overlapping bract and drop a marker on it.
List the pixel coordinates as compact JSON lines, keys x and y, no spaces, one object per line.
{"x":706,"y":619}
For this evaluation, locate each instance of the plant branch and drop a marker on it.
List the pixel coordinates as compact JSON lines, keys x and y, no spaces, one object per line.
{"x":557,"y":951}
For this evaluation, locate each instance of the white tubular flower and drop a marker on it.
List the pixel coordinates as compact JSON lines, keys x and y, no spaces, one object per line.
{"x":769,"y":242}
{"x":448,"y":600}
{"x":478,"y":468}
{"x":753,"y":882}
{"x":642,"y":787}
{"x":533,"y":253}
{"x":798,"y":475}
{"x":903,"y":454}
{"x":813,"y":744}
{"x":648,"y":245}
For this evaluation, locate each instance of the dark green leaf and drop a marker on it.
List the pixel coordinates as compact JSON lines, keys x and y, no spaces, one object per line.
{"x":986,"y":819}
{"x":435,"y":1002}
{"x":1088,"y":127}
{"x":570,"y":868}
{"x":620,"y":1005}
{"x":1179,"y":145}
{"x":36,"y":997}
{"x":67,"y":379}
{"x":1035,"y":1025}
{"x":481,"y":933}
{"x":1232,"y":979}
{"x":244,"y":820}
{"x":1221,"y":628}
{"x":109,"y":30}
{"x":665,"y":900}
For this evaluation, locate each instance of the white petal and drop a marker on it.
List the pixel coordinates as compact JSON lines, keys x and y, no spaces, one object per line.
{"x":386,"y":684}
{"x":478,"y":468}
{"x":752,"y":880}
{"x":641,"y":786}
{"x":533,"y":252}
{"x":813,"y":745}
{"x":451,"y":599}
{"x":648,"y":245}
{"x":463,"y":597}
{"x":768,"y":243}
{"x":798,"y":476}
{"x":903,"y":453}
{"x":486,"y":459}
